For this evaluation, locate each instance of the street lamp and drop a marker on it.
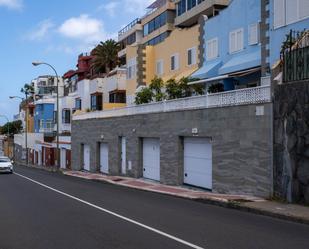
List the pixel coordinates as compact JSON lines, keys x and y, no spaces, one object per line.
{"x":26,"y":128}
{"x":38,"y":63}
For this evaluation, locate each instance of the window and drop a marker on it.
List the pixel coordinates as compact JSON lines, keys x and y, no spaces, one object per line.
{"x":212,"y":49}
{"x":191,"y":56}
{"x":66,"y":116}
{"x":175,"y":62}
{"x":191,"y":4}
{"x":96,"y":102}
{"x":159,"y":67}
{"x":78,"y":104}
{"x":253,"y":34}
{"x":288,"y":12}
{"x":155,"y":24}
{"x":117,"y":97}
{"x":131,"y":68}
{"x":236,"y":40}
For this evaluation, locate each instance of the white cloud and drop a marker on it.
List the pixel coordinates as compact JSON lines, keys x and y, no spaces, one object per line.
{"x":136,"y":7}
{"x":83,"y":28}
{"x":12,"y":4}
{"x":41,"y":31}
{"x":111,"y":8}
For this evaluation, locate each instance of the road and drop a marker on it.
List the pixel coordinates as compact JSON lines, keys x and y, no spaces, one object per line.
{"x":40,"y":210}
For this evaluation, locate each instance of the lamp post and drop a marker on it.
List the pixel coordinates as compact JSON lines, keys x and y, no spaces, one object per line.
{"x":38,"y":63}
{"x":26,"y":126}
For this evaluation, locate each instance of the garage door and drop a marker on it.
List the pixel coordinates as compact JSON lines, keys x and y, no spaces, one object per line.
{"x":151,"y":158}
{"x":198,"y":162}
{"x":63,"y":158}
{"x":86,"y":163}
{"x":104,"y":158}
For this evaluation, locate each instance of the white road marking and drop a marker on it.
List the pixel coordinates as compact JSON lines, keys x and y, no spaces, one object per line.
{"x":114,"y":214}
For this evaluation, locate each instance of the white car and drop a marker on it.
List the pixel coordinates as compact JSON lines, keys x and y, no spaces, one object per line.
{"x":6,"y":165}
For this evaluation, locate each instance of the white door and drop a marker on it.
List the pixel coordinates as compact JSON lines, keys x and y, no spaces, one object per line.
{"x":63,"y":158}
{"x":86,"y":163}
{"x":151,"y":158}
{"x":123,"y":156}
{"x":104,"y":158}
{"x":198,"y":162}
{"x":40,"y":158}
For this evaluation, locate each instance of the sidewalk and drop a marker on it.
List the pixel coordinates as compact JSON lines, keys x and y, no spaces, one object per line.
{"x":252,"y":204}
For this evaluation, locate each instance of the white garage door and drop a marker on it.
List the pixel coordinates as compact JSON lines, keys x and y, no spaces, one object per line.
{"x":63,"y":153}
{"x":151,"y":158}
{"x":104,"y":158}
{"x":198,"y":162}
{"x":86,"y":163}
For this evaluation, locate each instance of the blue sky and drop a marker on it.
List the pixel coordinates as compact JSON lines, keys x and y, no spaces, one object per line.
{"x":56,"y":32}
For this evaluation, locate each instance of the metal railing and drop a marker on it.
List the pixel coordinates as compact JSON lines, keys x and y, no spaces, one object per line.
{"x":295,"y":56}
{"x":129,"y":26}
{"x":254,"y":95}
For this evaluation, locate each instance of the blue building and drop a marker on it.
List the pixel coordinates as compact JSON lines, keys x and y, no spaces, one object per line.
{"x":44,"y":117}
{"x":232,"y":49}
{"x":285,"y":15}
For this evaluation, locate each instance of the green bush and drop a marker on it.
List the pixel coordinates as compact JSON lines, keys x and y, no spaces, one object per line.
{"x":156,"y":86}
{"x":216,"y":88}
{"x":144,"y":96}
{"x":173,"y":90}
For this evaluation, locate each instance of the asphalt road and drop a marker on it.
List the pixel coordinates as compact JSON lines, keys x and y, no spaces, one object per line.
{"x":70,"y":213}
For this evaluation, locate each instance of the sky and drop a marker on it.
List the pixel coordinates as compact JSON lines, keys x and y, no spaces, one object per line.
{"x":54,"y":31}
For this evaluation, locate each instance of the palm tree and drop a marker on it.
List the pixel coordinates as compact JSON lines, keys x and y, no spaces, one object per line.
{"x":105,"y":56}
{"x":27,"y":89}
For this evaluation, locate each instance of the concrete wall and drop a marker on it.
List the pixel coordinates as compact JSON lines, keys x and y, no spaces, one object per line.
{"x":241,"y":145}
{"x":291,"y":144}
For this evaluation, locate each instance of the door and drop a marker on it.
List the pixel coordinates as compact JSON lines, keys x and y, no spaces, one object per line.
{"x":86,"y":162}
{"x":63,"y":158}
{"x":123,"y":155}
{"x":151,"y":158}
{"x":198,"y":162}
{"x":104,"y":158}
{"x":68,"y":159}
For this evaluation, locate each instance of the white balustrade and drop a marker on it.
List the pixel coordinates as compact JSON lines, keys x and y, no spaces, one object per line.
{"x":245,"y":96}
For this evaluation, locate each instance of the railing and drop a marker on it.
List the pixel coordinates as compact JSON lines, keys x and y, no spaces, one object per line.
{"x":231,"y":98}
{"x":46,"y":130}
{"x":129,"y":26}
{"x":295,"y":56}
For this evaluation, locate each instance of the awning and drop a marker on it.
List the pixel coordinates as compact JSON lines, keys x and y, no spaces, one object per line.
{"x":221,"y":77}
{"x":241,"y":62}
{"x":207,"y":71}
{"x":226,"y":76}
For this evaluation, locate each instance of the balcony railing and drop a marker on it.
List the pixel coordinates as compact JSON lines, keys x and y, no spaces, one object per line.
{"x":129,"y":26}
{"x":246,"y":96}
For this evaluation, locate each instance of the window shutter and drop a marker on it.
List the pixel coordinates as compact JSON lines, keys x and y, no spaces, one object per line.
{"x":303,"y":8}
{"x":254,"y":34}
{"x":194,"y":55}
{"x":232,"y":42}
{"x":177,"y":61}
{"x":291,"y":11}
{"x":279,"y":13}
{"x":240,"y":40}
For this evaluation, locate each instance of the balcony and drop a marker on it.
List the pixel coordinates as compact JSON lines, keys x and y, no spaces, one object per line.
{"x":189,"y":17}
{"x":246,"y":96}
{"x":129,"y":29}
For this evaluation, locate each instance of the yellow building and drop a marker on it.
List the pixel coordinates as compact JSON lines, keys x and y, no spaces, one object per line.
{"x":175,"y":57}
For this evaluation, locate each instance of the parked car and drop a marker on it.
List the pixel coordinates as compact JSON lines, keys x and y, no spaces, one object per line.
{"x":6,"y":165}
